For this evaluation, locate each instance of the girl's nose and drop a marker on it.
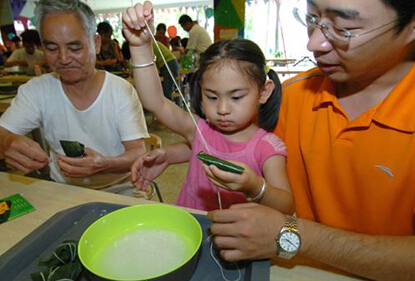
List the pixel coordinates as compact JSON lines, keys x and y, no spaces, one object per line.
{"x":318,"y":42}
{"x":223,"y":107}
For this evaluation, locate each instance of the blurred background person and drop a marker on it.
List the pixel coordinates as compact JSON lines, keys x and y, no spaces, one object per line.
{"x":166,"y":80}
{"x":176,"y":47}
{"x":199,"y":39}
{"x":184,"y":41}
{"x":161,"y":34}
{"x":109,"y":58}
{"x":2,"y":57}
{"x":28,"y":56}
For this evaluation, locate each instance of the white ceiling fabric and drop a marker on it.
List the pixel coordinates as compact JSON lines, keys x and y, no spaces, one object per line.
{"x":111,"y":6}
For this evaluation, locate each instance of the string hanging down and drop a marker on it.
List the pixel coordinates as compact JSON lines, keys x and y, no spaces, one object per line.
{"x":183,"y":99}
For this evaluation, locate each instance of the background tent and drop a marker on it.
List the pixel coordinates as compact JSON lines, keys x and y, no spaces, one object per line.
{"x":111,"y":6}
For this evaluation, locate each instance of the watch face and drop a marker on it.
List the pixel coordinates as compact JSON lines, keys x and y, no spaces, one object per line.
{"x":289,"y":242}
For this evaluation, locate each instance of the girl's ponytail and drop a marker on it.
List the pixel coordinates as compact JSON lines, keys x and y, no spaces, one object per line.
{"x":269,"y":111}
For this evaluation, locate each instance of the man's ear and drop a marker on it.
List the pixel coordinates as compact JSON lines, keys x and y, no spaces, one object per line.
{"x":411,"y":25}
{"x":266,"y":91}
{"x":97,"y":40}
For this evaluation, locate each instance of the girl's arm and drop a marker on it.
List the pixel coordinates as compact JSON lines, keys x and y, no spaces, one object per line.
{"x":146,"y":79}
{"x":277,"y":193}
{"x":152,"y":164}
{"x":278,"y":190}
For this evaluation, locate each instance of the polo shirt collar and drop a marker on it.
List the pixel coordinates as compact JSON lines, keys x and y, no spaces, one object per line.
{"x":326,"y":94}
{"x":395,"y":111}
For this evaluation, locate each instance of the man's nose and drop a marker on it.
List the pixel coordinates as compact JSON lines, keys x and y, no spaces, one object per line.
{"x":318,"y":42}
{"x":63,"y":56}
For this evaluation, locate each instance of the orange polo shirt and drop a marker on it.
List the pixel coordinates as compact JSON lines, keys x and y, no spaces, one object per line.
{"x":356,"y":175}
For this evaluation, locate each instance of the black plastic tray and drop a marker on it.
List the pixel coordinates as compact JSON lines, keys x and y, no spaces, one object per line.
{"x":22,"y":259}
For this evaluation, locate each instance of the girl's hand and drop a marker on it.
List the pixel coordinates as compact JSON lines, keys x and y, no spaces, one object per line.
{"x":248,"y":182}
{"x":134,"y":26}
{"x":148,"y":167}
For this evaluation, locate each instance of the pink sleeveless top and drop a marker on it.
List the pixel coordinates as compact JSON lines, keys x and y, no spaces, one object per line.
{"x":198,"y":192}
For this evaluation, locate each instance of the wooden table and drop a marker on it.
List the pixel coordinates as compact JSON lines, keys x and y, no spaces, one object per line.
{"x":5,"y":101}
{"x":15,"y":78}
{"x":49,"y":198}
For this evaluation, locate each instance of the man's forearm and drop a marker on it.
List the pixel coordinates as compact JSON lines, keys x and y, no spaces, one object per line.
{"x":4,"y":136}
{"x":122,"y":163}
{"x":15,"y":62}
{"x":374,"y":257}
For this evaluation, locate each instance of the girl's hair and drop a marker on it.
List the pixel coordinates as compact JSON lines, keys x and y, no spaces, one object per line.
{"x":251,"y":62}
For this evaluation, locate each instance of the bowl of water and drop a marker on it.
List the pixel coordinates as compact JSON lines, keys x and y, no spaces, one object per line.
{"x":143,"y":242}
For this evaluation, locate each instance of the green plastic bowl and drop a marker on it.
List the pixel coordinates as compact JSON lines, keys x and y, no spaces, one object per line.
{"x":142,"y":242}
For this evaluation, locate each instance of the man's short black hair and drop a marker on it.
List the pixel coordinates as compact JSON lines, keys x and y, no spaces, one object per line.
{"x":185,"y":19}
{"x":31,"y":36}
{"x":405,"y":10}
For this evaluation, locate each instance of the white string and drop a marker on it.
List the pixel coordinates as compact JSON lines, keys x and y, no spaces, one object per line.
{"x":58,"y":258}
{"x":185,"y":103}
{"x":219,"y":265}
{"x":178,"y":88}
{"x":52,"y":272}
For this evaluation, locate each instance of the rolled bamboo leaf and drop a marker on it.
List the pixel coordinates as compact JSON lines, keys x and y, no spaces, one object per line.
{"x":72,"y":148}
{"x":221,"y":164}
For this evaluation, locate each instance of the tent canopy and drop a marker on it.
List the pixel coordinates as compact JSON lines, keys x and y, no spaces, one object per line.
{"x":111,"y":6}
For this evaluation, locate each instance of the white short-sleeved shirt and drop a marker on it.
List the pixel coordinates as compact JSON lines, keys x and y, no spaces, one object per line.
{"x":33,"y":59}
{"x":199,"y":39}
{"x":115,"y":116}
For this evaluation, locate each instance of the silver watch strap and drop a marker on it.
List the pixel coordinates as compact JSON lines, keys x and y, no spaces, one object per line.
{"x":291,"y":223}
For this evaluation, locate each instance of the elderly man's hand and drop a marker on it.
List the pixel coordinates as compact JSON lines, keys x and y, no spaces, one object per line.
{"x":246,"y":231}
{"x":79,"y":167}
{"x":24,"y":154}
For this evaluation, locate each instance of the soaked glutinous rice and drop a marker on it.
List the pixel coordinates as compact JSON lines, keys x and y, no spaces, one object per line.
{"x":142,"y":254}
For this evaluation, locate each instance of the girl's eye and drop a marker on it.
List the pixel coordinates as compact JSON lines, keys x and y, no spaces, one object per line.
{"x":237,"y":97}
{"x":211,"y":97}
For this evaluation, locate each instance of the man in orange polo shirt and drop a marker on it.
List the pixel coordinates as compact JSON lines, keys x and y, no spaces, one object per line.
{"x":349,"y":129}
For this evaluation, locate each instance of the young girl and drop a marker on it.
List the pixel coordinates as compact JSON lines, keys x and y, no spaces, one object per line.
{"x":235,"y":104}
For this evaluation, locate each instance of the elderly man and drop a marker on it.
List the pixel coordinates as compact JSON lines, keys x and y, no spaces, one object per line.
{"x":76,"y":102}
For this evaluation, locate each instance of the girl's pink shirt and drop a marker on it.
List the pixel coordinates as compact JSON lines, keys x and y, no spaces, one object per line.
{"x":198,"y":192}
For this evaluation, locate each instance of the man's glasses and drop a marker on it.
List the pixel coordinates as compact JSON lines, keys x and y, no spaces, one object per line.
{"x":332,"y":32}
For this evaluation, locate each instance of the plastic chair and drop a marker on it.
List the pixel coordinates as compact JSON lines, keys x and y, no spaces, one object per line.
{"x":153,"y":142}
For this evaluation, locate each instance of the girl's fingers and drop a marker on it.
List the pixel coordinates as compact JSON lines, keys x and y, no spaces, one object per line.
{"x":126,"y":21}
{"x":148,"y":8}
{"x":133,"y":18}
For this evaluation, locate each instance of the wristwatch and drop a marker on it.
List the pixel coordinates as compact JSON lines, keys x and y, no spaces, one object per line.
{"x":288,"y":239}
